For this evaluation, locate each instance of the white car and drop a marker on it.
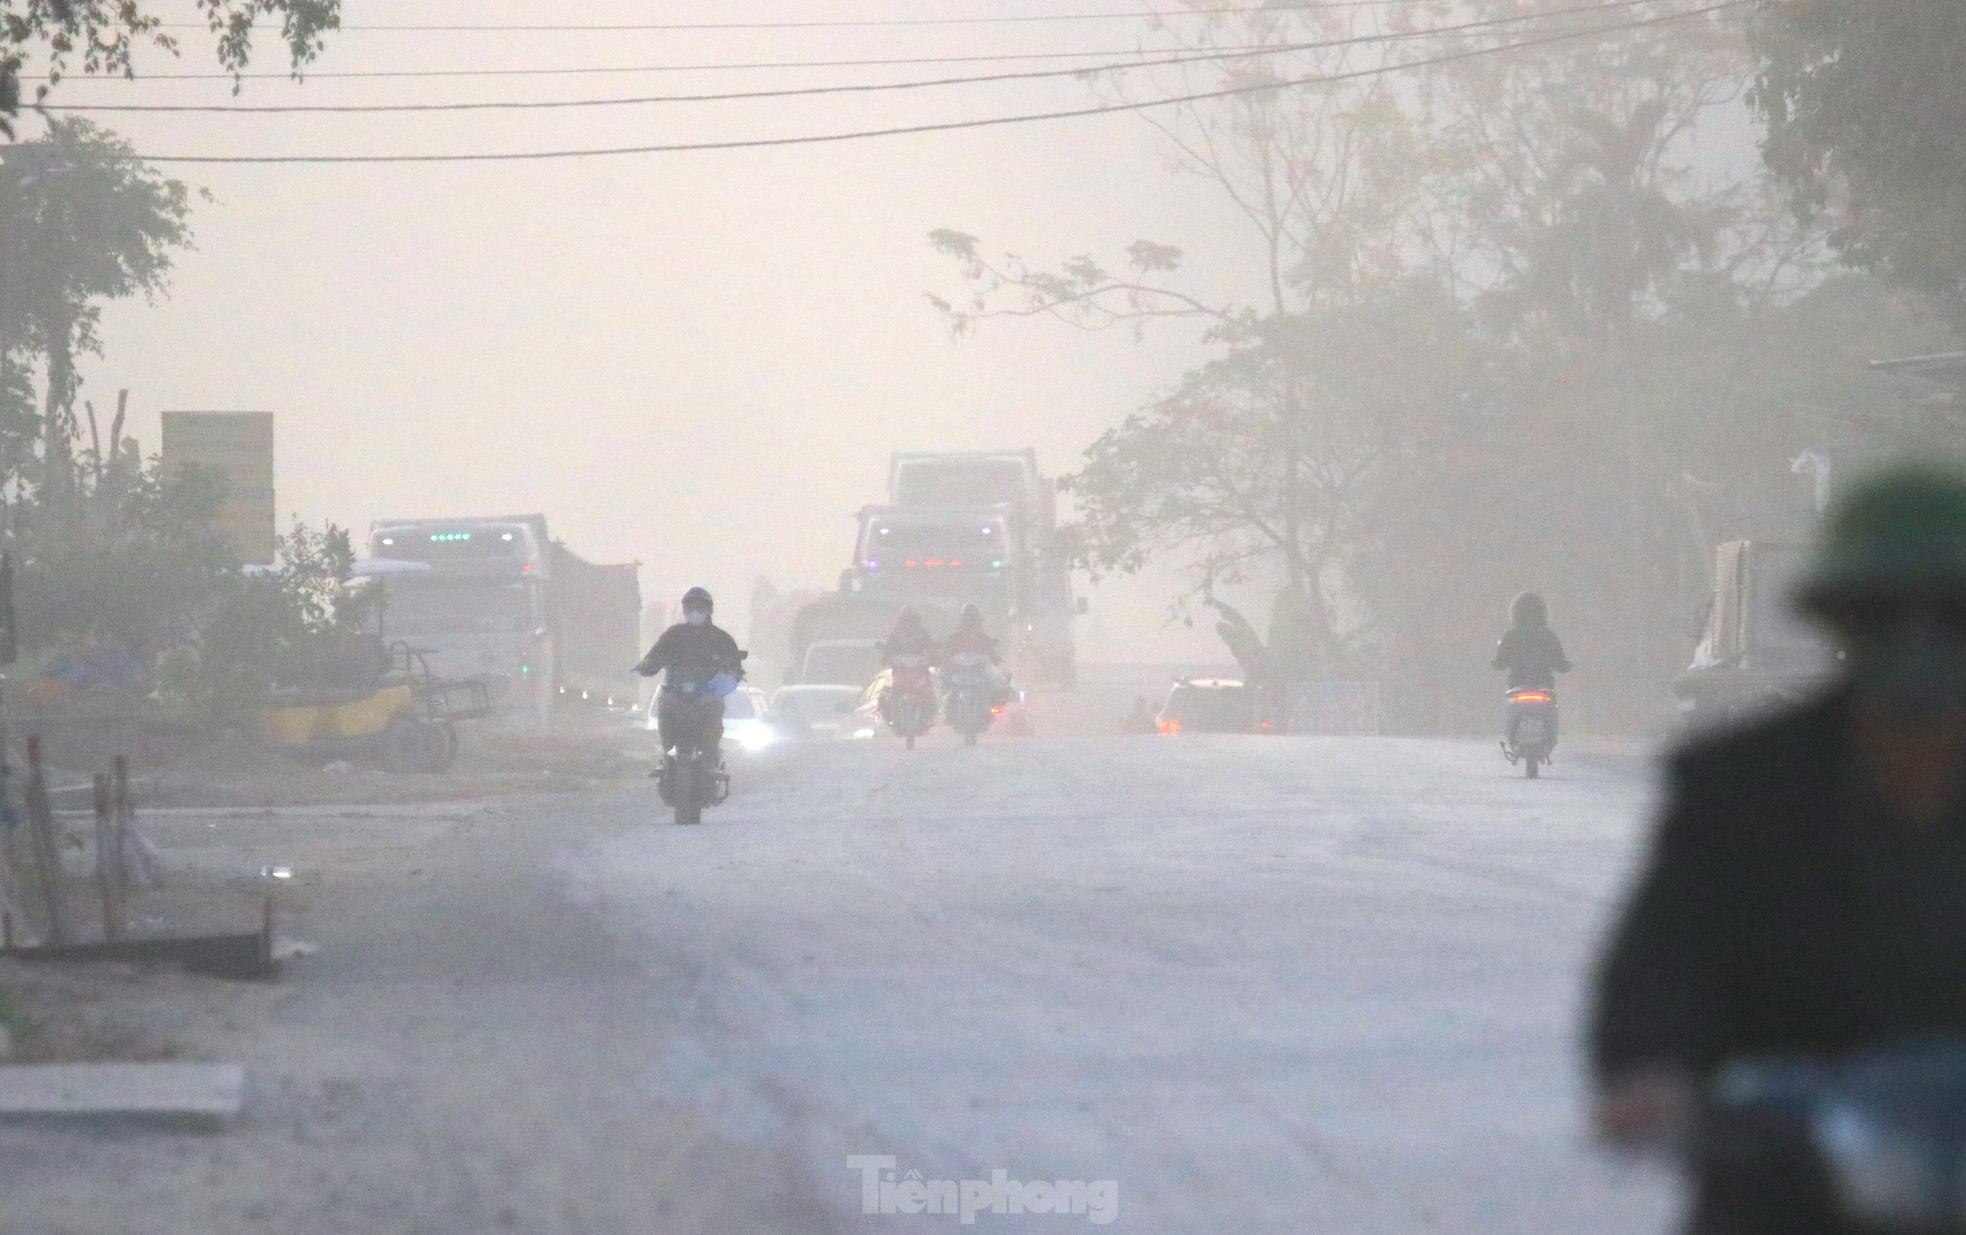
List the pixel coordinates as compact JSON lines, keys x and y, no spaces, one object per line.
{"x":744,"y":719}
{"x":820,"y":712}
{"x":841,"y":662}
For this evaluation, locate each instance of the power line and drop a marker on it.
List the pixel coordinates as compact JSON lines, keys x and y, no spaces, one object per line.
{"x":949,"y":126}
{"x":1211,"y":56}
{"x":865,"y":62}
{"x":863,"y":23}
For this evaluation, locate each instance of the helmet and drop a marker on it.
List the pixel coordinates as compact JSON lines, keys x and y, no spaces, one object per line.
{"x":1900,"y":534}
{"x":907,"y":618}
{"x":1529,"y":609}
{"x":972,"y":618}
{"x":698,"y":598}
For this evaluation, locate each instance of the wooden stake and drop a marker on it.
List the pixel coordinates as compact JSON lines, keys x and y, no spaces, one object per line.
{"x":47,"y":844}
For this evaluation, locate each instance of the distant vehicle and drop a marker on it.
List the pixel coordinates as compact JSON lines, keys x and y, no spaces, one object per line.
{"x":1529,"y":728}
{"x":904,"y":696}
{"x":841,"y":662}
{"x":744,"y":719}
{"x":503,"y":604}
{"x":1207,"y":705}
{"x":804,"y":711}
{"x":968,"y":696}
{"x":1755,"y":652}
{"x":962,"y":527}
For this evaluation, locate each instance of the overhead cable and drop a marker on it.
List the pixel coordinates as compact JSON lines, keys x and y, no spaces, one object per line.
{"x":852,"y":23}
{"x":947,"y":126}
{"x":1197,"y":57}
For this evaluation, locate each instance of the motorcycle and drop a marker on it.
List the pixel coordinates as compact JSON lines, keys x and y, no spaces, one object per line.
{"x":1529,"y":729}
{"x":969,"y":703}
{"x":1874,"y":1144}
{"x":692,"y":774}
{"x":908,"y":704}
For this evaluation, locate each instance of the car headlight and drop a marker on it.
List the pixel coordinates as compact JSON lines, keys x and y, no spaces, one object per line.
{"x":863,"y":733}
{"x":755,"y":737}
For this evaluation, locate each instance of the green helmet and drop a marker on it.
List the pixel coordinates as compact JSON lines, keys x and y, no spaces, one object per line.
{"x":1900,"y":533}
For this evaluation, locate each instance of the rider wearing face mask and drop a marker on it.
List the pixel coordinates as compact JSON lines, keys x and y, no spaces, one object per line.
{"x":692,"y":652}
{"x":1805,"y":894}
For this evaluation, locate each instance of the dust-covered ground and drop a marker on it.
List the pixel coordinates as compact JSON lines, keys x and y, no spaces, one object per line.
{"x":1258,"y":984}
{"x":468,"y":1051}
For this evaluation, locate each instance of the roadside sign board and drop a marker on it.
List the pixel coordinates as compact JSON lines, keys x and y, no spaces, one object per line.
{"x":1335,"y":708}
{"x":239,"y":447}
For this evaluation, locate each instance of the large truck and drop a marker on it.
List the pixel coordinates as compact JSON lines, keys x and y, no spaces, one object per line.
{"x":977,"y":527}
{"x":501,"y":602}
{"x":1755,"y":653}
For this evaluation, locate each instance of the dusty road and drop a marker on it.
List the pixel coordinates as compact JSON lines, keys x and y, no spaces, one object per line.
{"x":1261,"y":985}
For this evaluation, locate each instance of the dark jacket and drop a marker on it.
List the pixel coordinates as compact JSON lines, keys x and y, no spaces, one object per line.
{"x":693,"y":652}
{"x":970,"y":641}
{"x":1533,"y":655}
{"x":906,"y":641}
{"x":1780,"y":910}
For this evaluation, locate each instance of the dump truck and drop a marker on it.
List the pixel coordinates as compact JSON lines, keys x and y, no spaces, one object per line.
{"x":978,"y":527}
{"x":505,"y":604}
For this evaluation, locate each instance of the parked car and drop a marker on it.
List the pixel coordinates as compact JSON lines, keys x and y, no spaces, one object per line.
{"x":1207,"y":705}
{"x":807,"y":711}
{"x":841,"y":662}
{"x":744,"y":719}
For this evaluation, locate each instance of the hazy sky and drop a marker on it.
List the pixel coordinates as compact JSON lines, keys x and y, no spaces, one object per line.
{"x":700,"y":361}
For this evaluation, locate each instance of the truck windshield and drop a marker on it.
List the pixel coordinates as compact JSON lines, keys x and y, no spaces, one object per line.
{"x":841,"y":664}
{"x":438,"y":545}
{"x":450,"y":606}
{"x":972,"y":545}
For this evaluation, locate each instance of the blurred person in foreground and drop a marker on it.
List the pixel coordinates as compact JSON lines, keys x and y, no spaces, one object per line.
{"x":1805,"y":892}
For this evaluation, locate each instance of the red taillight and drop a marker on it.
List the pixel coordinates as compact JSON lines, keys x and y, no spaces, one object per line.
{"x":996,"y":711}
{"x":1168,"y":728}
{"x":1262,"y":724}
{"x":1531,"y":696}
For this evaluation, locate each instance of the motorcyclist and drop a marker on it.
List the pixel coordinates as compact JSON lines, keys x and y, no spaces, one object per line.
{"x":691,"y":654}
{"x":971,"y":638}
{"x":909,"y":641}
{"x":1530,"y":651}
{"x":1805,"y":891}
{"x":909,"y":638}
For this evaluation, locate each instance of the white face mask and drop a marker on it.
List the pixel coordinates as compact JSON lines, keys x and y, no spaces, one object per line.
{"x":696,"y":617}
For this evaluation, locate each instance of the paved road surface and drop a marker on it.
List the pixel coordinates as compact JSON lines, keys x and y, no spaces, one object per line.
{"x":1289,"y":985}
{"x":1315,"y":987}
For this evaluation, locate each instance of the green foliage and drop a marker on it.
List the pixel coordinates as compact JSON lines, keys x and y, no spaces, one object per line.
{"x":268,"y":629}
{"x":130,"y":555}
{"x":102,"y":36}
{"x":1866,"y":112}
{"x":81,"y":221}
{"x":1522,"y":324}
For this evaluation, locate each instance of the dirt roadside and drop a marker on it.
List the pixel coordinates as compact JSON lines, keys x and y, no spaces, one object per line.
{"x":468,"y":1051}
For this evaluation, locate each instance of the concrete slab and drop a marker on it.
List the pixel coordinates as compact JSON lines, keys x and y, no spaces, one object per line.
{"x":204,"y":1094}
